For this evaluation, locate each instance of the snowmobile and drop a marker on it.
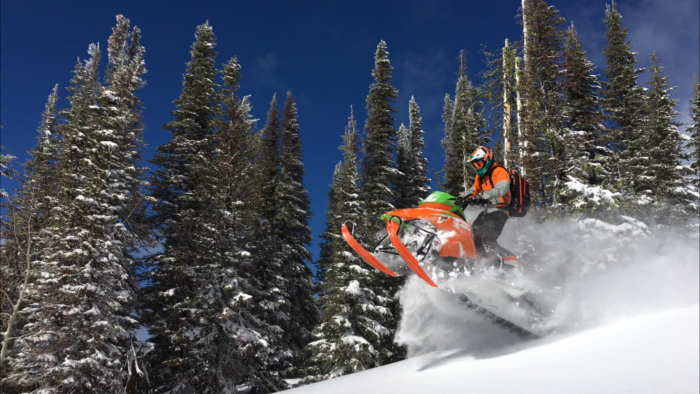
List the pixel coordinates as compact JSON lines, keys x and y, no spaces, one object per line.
{"x":436,"y":242}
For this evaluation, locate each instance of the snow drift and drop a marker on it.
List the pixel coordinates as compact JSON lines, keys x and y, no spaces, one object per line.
{"x":649,"y":354}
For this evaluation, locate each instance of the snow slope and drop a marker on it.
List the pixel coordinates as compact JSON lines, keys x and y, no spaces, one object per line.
{"x":656,"y":353}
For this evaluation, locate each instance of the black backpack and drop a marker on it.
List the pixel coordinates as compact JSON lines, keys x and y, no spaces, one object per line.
{"x":519,"y":193}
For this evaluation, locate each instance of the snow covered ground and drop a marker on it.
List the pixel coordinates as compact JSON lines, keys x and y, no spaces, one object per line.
{"x":656,"y":353}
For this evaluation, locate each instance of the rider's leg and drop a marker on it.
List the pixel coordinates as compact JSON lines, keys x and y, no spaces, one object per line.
{"x":480,"y":230}
{"x":494,"y":224}
{"x":493,"y":227}
{"x":498,"y":222}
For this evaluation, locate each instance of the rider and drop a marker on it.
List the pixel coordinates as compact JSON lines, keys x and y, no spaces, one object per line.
{"x":492,"y":182}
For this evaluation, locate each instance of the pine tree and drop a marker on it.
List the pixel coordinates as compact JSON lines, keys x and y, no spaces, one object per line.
{"x":19,"y":235}
{"x":377,"y":175}
{"x":26,"y":213}
{"x":499,"y":90}
{"x":83,"y":298}
{"x":234,"y":181}
{"x":658,"y":151}
{"x":331,"y":232}
{"x":452,"y":171}
{"x":293,"y":214}
{"x":542,"y":153}
{"x":195,"y":275}
{"x":124,"y":77}
{"x":694,"y":131}
{"x":623,"y":100}
{"x":581,"y":87}
{"x":5,"y":169}
{"x":420,"y":187}
{"x":585,"y":153}
{"x":271,"y":303}
{"x":469,"y":131}
{"x":354,"y":317}
{"x":402,"y":180}
{"x":499,"y":150}
{"x":41,"y":169}
{"x":379,"y":144}
{"x":411,"y":185}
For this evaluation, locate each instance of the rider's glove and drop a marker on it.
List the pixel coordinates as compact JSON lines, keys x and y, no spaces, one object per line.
{"x":466,"y":195}
{"x":463,"y":198}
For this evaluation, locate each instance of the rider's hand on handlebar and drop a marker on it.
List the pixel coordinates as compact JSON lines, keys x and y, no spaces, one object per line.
{"x":464,"y":199}
{"x":472,"y":200}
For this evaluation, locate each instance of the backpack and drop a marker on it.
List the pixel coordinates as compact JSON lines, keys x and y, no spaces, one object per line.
{"x":519,"y":193}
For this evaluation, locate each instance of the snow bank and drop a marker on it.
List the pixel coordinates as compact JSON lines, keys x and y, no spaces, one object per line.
{"x":657,"y":353}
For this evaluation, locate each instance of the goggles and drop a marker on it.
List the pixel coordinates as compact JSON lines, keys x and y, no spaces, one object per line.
{"x":477,"y":159}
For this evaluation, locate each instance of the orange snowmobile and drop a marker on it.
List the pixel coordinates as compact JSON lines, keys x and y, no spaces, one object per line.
{"x":436,"y":242}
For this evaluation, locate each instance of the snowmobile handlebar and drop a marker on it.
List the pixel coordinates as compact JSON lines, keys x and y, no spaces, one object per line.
{"x":463,"y":201}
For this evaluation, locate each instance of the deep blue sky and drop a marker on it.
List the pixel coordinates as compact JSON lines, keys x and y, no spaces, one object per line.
{"x":321,"y":50}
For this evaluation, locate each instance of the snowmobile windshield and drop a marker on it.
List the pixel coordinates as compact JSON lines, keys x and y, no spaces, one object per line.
{"x":442,"y":200}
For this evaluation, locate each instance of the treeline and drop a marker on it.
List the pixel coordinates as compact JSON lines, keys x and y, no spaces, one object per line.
{"x":224,"y":289}
{"x":210,"y":251}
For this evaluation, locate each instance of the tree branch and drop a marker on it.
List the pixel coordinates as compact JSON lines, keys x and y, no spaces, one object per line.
{"x":8,"y":296}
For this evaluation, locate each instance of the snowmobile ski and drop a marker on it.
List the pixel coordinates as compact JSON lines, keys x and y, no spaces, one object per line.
{"x":367,"y":256}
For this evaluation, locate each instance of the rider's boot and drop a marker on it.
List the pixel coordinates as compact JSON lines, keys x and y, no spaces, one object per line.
{"x":510,"y":262}
{"x":490,"y":260}
{"x":509,"y":259}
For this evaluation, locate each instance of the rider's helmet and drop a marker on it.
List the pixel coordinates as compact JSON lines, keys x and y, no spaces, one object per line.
{"x":481,"y":159}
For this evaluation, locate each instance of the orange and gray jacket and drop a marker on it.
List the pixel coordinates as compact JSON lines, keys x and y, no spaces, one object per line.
{"x":494,"y":186}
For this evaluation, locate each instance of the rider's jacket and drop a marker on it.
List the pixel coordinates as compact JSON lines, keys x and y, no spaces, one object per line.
{"x":494,"y":185}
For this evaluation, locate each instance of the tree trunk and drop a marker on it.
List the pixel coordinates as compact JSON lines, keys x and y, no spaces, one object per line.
{"x":520,"y":114}
{"x":20,"y":298}
{"x":506,"y":105}
{"x":521,"y":107}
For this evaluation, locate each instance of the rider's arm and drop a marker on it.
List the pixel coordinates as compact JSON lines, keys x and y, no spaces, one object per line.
{"x":499,"y":190}
{"x":501,"y":180}
{"x":475,"y":189}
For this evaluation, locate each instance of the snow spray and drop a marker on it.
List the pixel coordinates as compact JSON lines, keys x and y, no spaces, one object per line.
{"x":610,"y":271}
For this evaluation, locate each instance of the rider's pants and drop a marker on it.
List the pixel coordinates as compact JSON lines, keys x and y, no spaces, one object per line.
{"x":487,"y":228}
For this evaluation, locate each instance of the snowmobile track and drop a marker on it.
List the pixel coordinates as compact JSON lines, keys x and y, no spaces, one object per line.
{"x":499,"y":321}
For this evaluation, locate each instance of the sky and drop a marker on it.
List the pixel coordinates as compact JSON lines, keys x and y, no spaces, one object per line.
{"x":323,"y":51}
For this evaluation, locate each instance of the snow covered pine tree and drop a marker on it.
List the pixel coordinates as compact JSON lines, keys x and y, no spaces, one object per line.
{"x":585,"y":153}
{"x":194,"y":285}
{"x":468,"y":130}
{"x":293,"y":214}
{"x":623,"y":105}
{"x":694,"y":131}
{"x":82,"y":302}
{"x":655,"y":163}
{"x":542,"y":154}
{"x":377,"y":173}
{"x":353,"y":317}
